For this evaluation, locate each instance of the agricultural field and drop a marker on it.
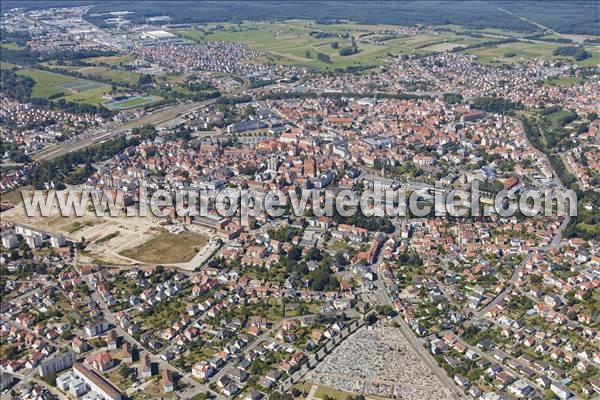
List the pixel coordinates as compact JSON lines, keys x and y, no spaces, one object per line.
{"x":100,"y":71}
{"x":522,"y":51}
{"x":58,"y":86}
{"x":114,"y":75}
{"x":593,"y":61}
{"x":11,"y":46}
{"x":291,"y":43}
{"x":5,"y":65}
{"x":110,"y":60}
{"x":490,"y":33}
{"x":564,"y":81}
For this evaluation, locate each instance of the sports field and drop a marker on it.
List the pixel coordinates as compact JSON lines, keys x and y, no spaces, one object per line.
{"x":131,"y":102}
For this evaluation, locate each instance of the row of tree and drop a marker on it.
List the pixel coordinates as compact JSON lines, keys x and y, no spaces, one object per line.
{"x":578,"y":53}
{"x":496,"y":105}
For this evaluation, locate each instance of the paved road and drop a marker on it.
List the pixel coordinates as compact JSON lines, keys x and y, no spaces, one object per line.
{"x":154,"y":118}
{"x":554,"y":243}
{"x":31,"y":374}
{"x":513,"y":279}
{"x":505,"y":367}
{"x":265,"y":336}
{"x":193,"y":388}
{"x":60,"y":395}
{"x":530,"y":21}
{"x":311,"y":393}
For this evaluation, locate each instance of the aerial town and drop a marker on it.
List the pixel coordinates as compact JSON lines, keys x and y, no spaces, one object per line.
{"x":122,"y":99}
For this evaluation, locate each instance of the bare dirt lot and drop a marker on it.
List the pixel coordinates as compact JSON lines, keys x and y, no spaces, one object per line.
{"x":167,"y":247}
{"x":114,"y":240}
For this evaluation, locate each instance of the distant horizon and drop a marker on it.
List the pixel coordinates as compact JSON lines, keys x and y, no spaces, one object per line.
{"x":576,"y":17}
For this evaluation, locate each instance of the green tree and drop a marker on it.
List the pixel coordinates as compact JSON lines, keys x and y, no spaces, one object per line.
{"x":50,"y":378}
{"x":371,"y":319}
{"x":124,"y":371}
{"x":453,"y":98}
{"x":323,"y":58}
{"x":145,"y":79}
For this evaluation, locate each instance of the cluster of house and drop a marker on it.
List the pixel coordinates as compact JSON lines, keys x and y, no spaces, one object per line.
{"x":528,"y":357}
{"x":31,"y":129}
{"x":229,"y":57}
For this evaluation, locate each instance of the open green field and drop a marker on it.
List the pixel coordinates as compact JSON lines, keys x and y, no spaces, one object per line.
{"x":290,"y":42}
{"x":594,"y":61}
{"x":46,"y":83}
{"x":110,"y":60}
{"x":489,"y":32}
{"x":11,"y":46}
{"x":522,"y":51}
{"x":168,"y":248}
{"x":101,"y":70}
{"x":323,"y":391}
{"x":5,"y":65}
{"x":115,"y":75}
{"x":73,"y":89}
{"x":564,"y":81}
